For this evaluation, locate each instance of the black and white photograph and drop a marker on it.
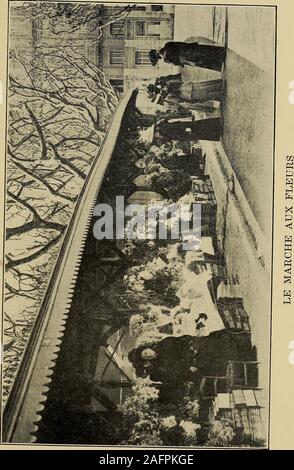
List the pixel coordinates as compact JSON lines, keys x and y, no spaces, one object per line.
{"x":138,"y":224}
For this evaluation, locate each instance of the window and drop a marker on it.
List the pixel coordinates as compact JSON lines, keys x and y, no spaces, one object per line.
{"x":157,"y":7}
{"x":139,"y":8}
{"x":142,"y":58}
{"x":117,"y":57}
{"x":140,"y":28}
{"x":153,"y":28}
{"x":117,"y":84}
{"x":117,"y":28}
{"x":36,"y":29}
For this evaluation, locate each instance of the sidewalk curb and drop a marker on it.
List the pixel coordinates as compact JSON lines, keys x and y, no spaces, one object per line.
{"x":226,"y":184}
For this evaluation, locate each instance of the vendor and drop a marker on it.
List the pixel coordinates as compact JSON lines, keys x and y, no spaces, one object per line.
{"x":184,"y":358}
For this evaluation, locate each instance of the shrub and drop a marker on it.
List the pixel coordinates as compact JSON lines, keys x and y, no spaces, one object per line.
{"x":220,"y":434}
{"x":172,"y":184}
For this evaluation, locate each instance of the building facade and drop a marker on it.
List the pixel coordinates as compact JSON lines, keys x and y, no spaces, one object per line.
{"x":124,"y":46}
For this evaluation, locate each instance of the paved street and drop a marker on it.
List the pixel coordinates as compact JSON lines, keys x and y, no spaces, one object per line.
{"x":246,"y":150}
{"x":248,"y":107}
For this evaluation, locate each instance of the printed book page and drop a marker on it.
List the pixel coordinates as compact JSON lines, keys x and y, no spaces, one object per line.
{"x":147,"y":165}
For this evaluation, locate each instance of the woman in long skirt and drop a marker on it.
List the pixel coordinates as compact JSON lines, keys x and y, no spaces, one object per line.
{"x":202,"y":90}
{"x":180,"y":129}
{"x":184,"y":53}
{"x":201,"y":95}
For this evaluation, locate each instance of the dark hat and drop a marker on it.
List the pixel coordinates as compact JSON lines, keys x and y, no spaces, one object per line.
{"x":153,"y":88}
{"x":153,"y":56}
